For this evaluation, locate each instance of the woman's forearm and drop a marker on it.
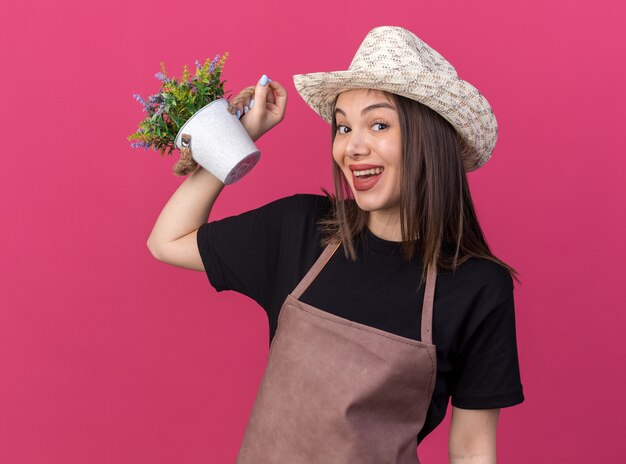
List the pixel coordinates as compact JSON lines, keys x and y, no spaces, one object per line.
{"x":477,"y":459}
{"x":473,"y":436}
{"x":187,"y":209}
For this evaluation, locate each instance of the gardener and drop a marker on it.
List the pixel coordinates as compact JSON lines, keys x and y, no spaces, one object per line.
{"x":368,"y":343}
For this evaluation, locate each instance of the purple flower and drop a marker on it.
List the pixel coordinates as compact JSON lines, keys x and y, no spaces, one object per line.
{"x":137,"y":97}
{"x":213,"y":63}
{"x":162,"y":77}
{"x":156,"y":99}
{"x":144,"y":145}
{"x":160,"y":110}
{"x":198,"y":65}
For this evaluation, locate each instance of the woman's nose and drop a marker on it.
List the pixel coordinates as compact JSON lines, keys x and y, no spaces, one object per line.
{"x":356,"y":144}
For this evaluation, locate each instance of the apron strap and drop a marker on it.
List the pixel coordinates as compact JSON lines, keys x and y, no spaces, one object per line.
{"x":427,"y":306}
{"x":316,"y":268}
{"x":429,"y":291}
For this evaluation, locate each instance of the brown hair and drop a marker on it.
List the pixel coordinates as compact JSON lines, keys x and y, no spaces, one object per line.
{"x":435,"y":201}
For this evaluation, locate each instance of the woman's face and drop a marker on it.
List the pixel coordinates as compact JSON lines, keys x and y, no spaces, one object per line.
{"x":368,"y":137}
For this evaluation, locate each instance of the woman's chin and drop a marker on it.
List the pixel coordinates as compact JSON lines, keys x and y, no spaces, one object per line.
{"x":365,"y":205}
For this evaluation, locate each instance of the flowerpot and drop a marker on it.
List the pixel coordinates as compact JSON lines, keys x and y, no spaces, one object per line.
{"x":219,"y":142}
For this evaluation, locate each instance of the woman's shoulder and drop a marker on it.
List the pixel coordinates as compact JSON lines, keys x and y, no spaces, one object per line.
{"x":317,"y":205}
{"x":488,"y":267}
{"x":295,"y":203}
{"x":297,"y":210}
{"x":479,"y":287}
{"x":302,"y":199}
{"x":484,"y":274}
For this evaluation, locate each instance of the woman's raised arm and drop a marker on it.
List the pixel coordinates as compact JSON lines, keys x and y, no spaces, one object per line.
{"x":173,"y":238}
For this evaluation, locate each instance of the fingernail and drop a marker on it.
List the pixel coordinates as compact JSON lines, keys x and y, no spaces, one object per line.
{"x":270,"y":80}
{"x":251,"y":103}
{"x":238,"y":113}
{"x":263,"y":80}
{"x":245,"y":109}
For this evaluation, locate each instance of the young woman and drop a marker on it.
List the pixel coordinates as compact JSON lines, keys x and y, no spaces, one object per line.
{"x":368,"y":345}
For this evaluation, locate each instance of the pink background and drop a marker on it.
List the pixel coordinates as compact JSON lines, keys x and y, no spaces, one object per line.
{"x":110,"y":356}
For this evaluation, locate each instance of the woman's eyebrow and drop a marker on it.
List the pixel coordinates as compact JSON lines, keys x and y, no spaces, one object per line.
{"x":368,"y":108}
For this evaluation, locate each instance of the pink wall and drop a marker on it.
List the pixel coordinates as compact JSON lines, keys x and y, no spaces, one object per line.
{"x":108,"y":355}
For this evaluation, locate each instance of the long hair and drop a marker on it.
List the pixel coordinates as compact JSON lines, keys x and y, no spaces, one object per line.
{"x":437,"y":216}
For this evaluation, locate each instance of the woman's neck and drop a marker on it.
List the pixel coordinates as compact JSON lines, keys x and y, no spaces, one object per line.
{"x":385,"y":226}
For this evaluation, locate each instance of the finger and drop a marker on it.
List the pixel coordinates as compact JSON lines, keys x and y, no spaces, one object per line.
{"x":238,"y":111}
{"x":248,"y":95}
{"x":270,"y":93}
{"x":270,"y":96}
{"x":275,"y":110}
{"x":251,"y":102}
{"x":236,"y":108}
{"x":262,"y":93}
{"x":280,"y":93}
{"x":231,"y":108}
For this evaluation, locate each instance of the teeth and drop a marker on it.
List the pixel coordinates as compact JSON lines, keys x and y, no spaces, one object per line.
{"x":368,"y":171}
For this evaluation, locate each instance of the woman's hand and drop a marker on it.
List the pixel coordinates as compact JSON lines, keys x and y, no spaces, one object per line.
{"x":260,"y":107}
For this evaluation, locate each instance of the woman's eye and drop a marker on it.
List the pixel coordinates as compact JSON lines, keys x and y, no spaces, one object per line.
{"x":341,"y":126}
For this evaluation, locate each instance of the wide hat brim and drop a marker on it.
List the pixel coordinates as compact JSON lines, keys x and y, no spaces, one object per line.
{"x":456,"y":100}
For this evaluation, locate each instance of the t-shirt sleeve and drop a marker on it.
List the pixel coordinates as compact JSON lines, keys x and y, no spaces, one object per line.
{"x":240,"y":253}
{"x":487,"y":373}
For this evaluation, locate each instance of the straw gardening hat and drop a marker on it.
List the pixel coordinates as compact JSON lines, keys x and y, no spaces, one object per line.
{"x":394,"y":59}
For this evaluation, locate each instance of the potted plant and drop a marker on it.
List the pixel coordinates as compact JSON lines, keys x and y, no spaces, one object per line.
{"x":193,"y":116}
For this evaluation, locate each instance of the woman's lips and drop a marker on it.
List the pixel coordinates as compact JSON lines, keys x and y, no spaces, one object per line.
{"x":362,"y":184}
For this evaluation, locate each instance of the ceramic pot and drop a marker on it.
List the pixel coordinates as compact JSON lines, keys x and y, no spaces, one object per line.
{"x":219,"y":142}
